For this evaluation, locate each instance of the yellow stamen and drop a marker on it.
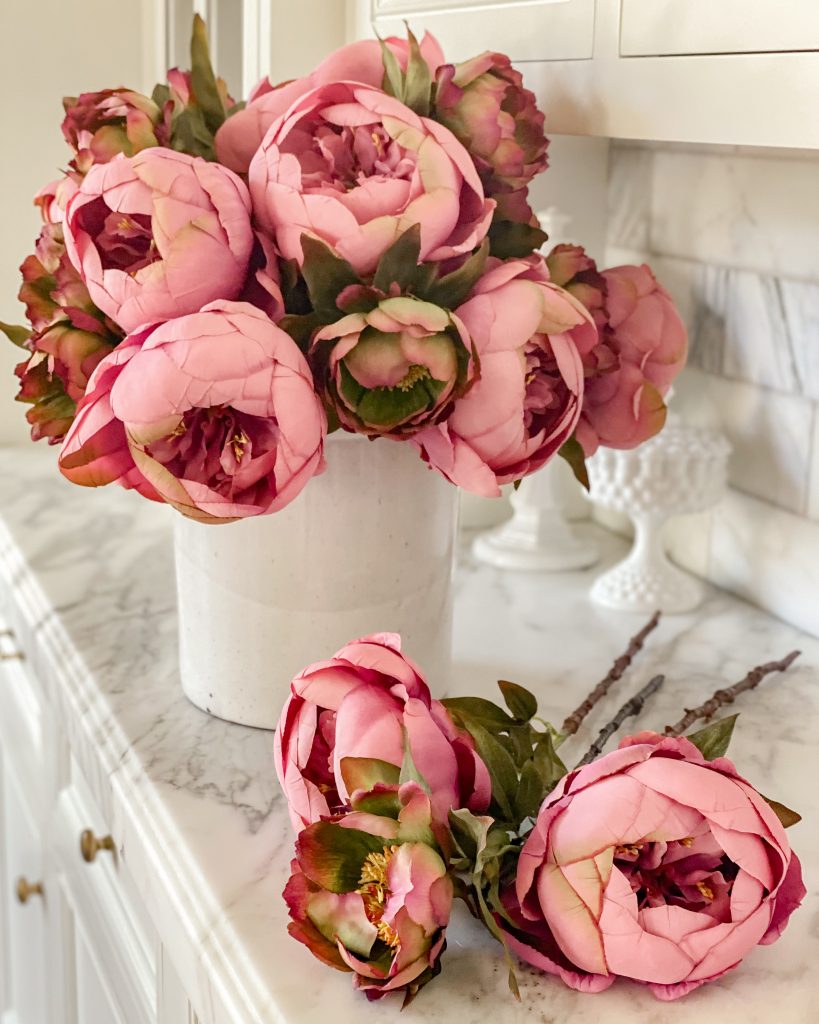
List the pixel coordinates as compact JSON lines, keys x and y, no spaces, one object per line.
{"x":180,"y":430}
{"x":415,"y":373}
{"x":238,"y":443}
{"x":705,"y":891}
{"x":688,"y":841}
{"x":374,"y":890}
{"x":628,"y":851}
{"x":124,"y":225}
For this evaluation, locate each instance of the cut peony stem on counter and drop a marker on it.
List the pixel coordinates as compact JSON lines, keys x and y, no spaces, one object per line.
{"x":630,"y":709}
{"x":720,"y":698}
{"x":616,"y":672}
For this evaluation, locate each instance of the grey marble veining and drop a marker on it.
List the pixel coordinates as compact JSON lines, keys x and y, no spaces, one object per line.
{"x":87,"y":580}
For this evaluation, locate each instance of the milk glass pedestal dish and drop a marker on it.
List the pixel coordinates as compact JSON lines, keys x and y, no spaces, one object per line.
{"x":682,"y":470}
{"x":368,"y":546}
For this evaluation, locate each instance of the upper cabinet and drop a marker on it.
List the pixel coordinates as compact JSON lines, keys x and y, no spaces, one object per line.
{"x":703,"y":71}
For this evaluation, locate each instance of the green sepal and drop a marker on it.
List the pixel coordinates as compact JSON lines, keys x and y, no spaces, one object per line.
{"x":393,"y":81}
{"x":203,"y":80}
{"x":530,"y":794}
{"x":409,"y":770}
{"x":382,"y":801}
{"x":161,"y":94}
{"x":451,"y":290}
{"x":326,"y":276}
{"x":367,"y":772}
{"x":417,"y":80}
{"x":332,"y":856}
{"x":714,"y":739}
{"x":509,"y":239}
{"x":399,"y":264}
{"x":572,"y":452}
{"x":190,"y":134}
{"x":17,"y":335}
{"x":786,"y":816}
{"x":519,"y":700}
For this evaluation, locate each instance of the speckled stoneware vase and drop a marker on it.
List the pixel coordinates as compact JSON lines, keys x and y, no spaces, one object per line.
{"x":368,"y":546}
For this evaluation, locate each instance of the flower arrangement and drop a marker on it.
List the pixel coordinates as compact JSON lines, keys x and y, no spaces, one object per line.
{"x":656,"y":862}
{"x":217,"y":285}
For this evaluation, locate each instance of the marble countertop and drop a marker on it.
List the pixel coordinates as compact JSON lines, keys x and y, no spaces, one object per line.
{"x":87,"y":582}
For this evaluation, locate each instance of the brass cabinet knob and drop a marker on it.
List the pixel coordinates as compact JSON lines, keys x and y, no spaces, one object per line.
{"x":90,"y":845}
{"x":25,"y":889}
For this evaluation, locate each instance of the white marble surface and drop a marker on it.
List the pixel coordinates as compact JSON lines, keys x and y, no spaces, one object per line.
{"x":87,"y":580}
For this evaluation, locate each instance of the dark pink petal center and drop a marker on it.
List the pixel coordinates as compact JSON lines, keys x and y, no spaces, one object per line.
{"x":342,"y":158}
{"x":124,"y":241}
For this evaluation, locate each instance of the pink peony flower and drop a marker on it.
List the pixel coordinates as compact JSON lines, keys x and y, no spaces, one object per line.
{"x":360,"y":704}
{"x":654,"y":864}
{"x":100,"y":125}
{"x":159,"y":235}
{"x":370,"y":894}
{"x":393,"y":371}
{"x":355,"y":168}
{"x":241,"y":135}
{"x":643,"y":346}
{"x":484,"y":103}
{"x":213,"y":412}
{"x":531,"y":337}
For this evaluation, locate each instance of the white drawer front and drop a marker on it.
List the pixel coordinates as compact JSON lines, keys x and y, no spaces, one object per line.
{"x":114,"y":947}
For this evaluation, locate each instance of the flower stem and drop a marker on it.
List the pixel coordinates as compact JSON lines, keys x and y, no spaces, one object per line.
{"x":630,"y":709}
{"x":572,"y":723}
{"x":727,"y":696}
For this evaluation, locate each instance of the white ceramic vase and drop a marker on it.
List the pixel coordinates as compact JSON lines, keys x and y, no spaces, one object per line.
{"x":367,"y":547}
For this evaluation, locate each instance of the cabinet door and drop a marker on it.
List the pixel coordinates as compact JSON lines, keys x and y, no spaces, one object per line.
{"x":524,"y":29}
{"x":24,"y":913}
{"x":671,"y":27}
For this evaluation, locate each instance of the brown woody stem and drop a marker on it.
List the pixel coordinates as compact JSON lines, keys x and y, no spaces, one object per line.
{"x":572,"y":723}
{"x":630,"y":709}
{"x":727,"y":696}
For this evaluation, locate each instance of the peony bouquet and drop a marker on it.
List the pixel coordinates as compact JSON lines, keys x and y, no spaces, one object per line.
{"x":657,"y":862}
{"x":217,"y":285}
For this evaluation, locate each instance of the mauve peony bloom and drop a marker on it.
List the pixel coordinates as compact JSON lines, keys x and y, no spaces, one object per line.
{"x":100,"y":125}
{"x":653,"y":864}
{"x":643,"y":346}
{"x":485,"y":105}
{"x":530,"y":337}
{"x":369,"y":892}
{"x":394,"y":370}
{"x":159,"y":235}
{"x":361,"y":703}
{"x":213,"y":412}
{"x":241,"y":135}
{"x":356,"y":168}
{"x":70,"y":335}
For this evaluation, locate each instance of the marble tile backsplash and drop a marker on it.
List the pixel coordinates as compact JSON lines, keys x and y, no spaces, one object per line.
{"x":734,"y":235}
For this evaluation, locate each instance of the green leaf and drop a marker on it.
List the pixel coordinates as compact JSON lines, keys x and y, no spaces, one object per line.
{"x":479,"y":710}
{"x":399,"y":263}
{"x":452,"y":289}
{"x":203,"y":80}
{"x":519,"y":700}
{"x":510,"y":239}
{"x":530,"y":794}
{"x":501,"y":767}
{"x":713,"y":740}
{"x":549,"y":766}
{"x":409,"y":771}
{"x":572,"y":452}
{"x":326,"y":275}
{"x":161,"y":94}
{"x":190,"y":134}
{"x":393,"y":82}
{"x":785,"y":814}
{"x":366,"y":772}
{"x":332,"y":856}
{"x":301,"y":328}
{"x":17,"y":335}
{"x":418,"y":79}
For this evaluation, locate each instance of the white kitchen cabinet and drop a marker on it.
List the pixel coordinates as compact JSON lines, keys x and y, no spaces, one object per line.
{"x":700,"y":71}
